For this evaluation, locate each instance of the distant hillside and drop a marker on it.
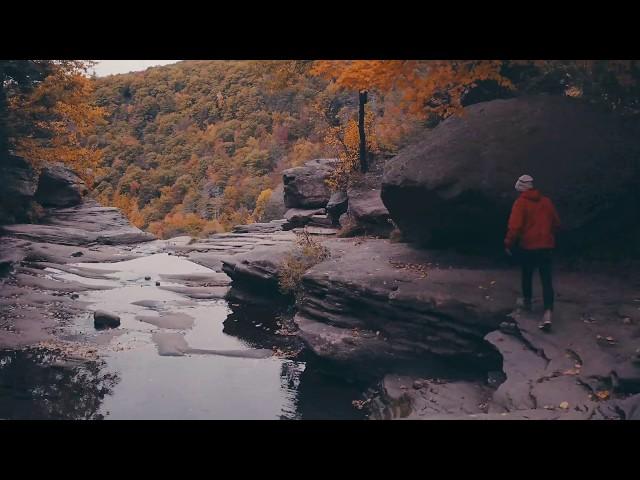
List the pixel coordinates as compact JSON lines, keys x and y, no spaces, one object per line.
{"x":189,"y":147}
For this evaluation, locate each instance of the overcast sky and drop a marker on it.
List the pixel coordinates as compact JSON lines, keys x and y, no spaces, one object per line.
{"x":110,"y":67}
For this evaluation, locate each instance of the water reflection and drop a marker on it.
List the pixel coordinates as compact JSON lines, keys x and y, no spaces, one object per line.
{"x":35,"y":384}
{"x":321,"y":394}
{"x":314,"y":389}
{"x":292,"y":384}
{"x":262,"y":325}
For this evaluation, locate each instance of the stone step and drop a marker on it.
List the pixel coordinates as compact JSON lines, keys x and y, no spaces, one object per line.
{"x":321,"y":221}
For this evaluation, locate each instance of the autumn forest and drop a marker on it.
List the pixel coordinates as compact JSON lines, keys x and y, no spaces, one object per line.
{"x":198,"y":146}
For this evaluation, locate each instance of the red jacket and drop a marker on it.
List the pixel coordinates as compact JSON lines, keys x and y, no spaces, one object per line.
{"x":533,"y":222}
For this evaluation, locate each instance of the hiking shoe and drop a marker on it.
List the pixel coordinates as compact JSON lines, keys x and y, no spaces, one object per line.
{"x":546,"y":321}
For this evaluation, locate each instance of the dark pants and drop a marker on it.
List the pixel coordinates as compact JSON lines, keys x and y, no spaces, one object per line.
{"x":540,"y":259}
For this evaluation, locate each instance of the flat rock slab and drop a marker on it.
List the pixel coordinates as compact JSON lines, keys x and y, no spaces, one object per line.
{"x":93,"y":273}
{"x":64,"y":254}
{"x":407,"y":398}
{"x":174,"y":344}
{"x":203,"y":293}
{"x":316,"y":230}
{"x":534,"y":414}
{"x":81,"y":225}
{"x":268,"y":227}
{"x":55,"y":285}
{"x":403,"y":296}
{"x":162,"y":304}
{"x":212,"y":279}
{"x":171,"y":321}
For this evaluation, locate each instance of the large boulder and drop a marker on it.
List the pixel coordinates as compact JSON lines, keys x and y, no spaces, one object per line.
{"x":59,"y":187}
{"x":456,"y":187}
{"x":257,"y":271}
{"x":368,"y":212}
{"x":305,"y":186}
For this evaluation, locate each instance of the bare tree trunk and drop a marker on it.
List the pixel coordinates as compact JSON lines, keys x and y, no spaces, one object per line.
{"x":363,"y":141}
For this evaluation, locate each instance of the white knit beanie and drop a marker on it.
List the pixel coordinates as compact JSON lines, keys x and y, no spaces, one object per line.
{"x":524,"y":183}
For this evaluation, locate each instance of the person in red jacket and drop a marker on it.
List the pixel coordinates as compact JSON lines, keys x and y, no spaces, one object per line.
{"x":532,"y":226}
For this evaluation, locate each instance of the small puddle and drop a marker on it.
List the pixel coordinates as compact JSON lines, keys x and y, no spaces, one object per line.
{"x":173,"y":356}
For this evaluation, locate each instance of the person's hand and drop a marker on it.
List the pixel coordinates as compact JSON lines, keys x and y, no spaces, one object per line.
{"x":508,"y":252}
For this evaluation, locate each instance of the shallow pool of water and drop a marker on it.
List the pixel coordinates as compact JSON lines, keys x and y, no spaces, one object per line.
{"x":133,"y":380}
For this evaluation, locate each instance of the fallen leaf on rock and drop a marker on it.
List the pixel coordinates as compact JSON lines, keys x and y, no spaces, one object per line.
{"x":572,"y":371}
{"x":603,"y":394}
{"x":564,"y":405}
{"x":360,"y":404}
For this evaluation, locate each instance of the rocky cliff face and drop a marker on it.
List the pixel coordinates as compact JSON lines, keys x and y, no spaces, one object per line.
{"x":69,"y":218}
{"x":456,"y":186}
{"x":54,"y":185}
{"x":59,"y":187}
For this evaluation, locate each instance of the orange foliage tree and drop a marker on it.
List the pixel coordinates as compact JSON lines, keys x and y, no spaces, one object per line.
{"x":435,"y":86}
{"x":52,"y":121}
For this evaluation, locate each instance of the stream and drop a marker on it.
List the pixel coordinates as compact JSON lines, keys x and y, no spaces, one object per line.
{"x":172,"y":357}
